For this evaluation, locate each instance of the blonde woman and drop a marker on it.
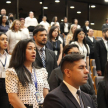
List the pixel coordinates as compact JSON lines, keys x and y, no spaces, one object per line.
{"x":70,"y":34}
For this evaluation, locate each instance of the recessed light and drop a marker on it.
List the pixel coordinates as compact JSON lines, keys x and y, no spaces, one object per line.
{"x":92,"y":23}
{"x":57,"y":1}
{"x":93,"y":6}
{"x":61,"y":19}
{"x":106,"y":0}
{"x":8,"y":2}
{"x":72,"y":7}
{"x":78,"y":12}
{"x":40,"y":2}
{"x":45,"y":7}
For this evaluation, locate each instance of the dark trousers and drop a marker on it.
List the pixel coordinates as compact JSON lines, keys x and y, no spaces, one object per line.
{"x":4,"y":102}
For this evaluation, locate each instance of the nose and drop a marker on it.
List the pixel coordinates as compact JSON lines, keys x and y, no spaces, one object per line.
{"x":86,"y":70}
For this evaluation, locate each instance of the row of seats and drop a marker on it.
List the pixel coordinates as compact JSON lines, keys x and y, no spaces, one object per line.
{"x":96,"y":79}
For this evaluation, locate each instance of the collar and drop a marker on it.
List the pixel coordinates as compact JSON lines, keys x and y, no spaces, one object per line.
{"x":38,"y":47}
{"x":90,"y":37}
{"x":72,"y":89}
{"x":5,"y":53}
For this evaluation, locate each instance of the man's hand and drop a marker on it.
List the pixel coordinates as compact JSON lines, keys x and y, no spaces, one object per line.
{"x":99,"y":73}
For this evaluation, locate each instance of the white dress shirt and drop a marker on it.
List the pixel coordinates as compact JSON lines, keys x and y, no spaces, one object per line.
{"x":91,"y":38}
{"x":73,"y":90}
{"x":54,"y":23}
{"x":45,"y":24}
{"x":66,"y":27}
{"x":30,"y":22}
{"x":25,"y":33}
{"x":2,"y":60}
{"x":87,"y":27}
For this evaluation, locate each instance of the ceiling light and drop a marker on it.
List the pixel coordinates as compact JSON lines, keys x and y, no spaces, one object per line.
{"x":57,"y":1}
{"x":78,"y":12}
{"x":106,"y":0}
{"x":93,"y":6}
{"x":61,"y":19}
{"x":45,"y":7}
{"x":8,"y":2}
{"x":72,"y":7}
{"x":40,"y":2}
{"x":92,"y":23}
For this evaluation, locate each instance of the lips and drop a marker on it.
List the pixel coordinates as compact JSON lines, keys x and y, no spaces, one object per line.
{"x":86,"y":77}
{"x":33,"y":56}
{"x":5,"y":45}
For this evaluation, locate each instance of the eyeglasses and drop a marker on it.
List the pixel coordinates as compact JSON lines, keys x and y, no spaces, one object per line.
{"x":74,"y":53}
{"x":81,"y":34}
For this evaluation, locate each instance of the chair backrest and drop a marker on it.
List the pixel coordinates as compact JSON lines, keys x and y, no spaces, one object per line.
{"x":93,"y":62}
{"x":94,"y":71}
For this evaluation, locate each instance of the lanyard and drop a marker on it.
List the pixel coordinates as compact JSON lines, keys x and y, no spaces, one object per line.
{"x":34,"y":79}
{"x":5,"y":62}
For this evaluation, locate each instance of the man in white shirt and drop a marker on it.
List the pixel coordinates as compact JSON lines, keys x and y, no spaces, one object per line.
{"x":31,"y":22}
{"x":68,"y":94}
{"x":45,"y":23}
{"x":3,"y":12}
{"x":90,"y":40}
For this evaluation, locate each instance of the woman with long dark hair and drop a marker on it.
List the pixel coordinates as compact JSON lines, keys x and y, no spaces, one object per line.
{"x":102,"y":92}
{"x":56,"y":44}
{"x":79,"y":39}
{"x":54,"y":20}
{"x":3,"y":24}
{"x":4,"y":63}
{"x":26,"y":84}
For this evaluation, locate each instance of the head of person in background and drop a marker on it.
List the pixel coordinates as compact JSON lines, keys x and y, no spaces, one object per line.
{"x":31,"y":14}
{"x":3,"y":42}
{"x":22,"y":21}
{"x":40,"y":36}
{"x":53,"y":33}
{"x":106,"y":20}
{"x":3,"y":11}
{"x":16,"y":26}
{"x":73,"y":28}
{"x":44,"y":18}
{"x":90,"y":32}
{"x":105,"y":33}
{"x":76,"y":21}
{"x":86,"y":23}
{"x":3,"y":20}
{"x":10,"y":17}
{"x":65,"y":20}
{"x":54,"y":19}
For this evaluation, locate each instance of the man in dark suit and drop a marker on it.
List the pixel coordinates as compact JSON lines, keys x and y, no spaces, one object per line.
{"x":101,"y":52}
{"x":44,"y":57}
{"x":86,"y":27}
{"x":68,"y":94}
{"x":106,"y":24}
{"x":90,"y":40}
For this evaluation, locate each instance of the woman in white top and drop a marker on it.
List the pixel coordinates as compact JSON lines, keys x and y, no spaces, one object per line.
{"x":26,"y":84}
{"x":70,"y":34}
{"x":14,"y":35}
{"x":54,"y":20}
{"x":79,"y":39}
{"x":4,"y":63}
{"x":24,"y":30}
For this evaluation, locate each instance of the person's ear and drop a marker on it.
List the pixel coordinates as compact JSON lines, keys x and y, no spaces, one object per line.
{"x":34,"y":37}
{"x":67,"y":72}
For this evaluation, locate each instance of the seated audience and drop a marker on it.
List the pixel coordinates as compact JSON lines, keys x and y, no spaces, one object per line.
{"x":26,"y":84}
{"x":56,"y":44}
{"x":3,"y":24}
{"x":56,"y":76}
{"x":90,"y":40}
{"x":68,"y":94}
{"x":102,"y":92}
{"x":70,"y":34}
{"x":4,"y":63}
{"x":79,"y":39}
{"x":44,"y":57}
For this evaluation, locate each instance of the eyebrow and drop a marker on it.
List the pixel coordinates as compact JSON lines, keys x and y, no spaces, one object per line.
{"x":82,"y":66}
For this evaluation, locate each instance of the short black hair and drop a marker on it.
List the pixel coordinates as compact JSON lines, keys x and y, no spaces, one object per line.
{"x":104,"y":30}
{"x":86,"y":21}
{"x":68,"y":47}
{"x":1,"y":33}
{"x":70,"y":58}
{"x":37,"y":29}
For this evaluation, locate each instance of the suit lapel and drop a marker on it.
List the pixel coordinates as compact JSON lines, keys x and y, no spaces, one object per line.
{"x":88,"y":39}
{"x":47,"y":55}
{"x":83,"y":99}
{"x":69,"y":95}
{"x":103,"y":44}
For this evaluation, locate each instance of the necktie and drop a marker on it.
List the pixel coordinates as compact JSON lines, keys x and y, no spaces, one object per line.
{"x":80,"y":99}
{"x":42,"y":57}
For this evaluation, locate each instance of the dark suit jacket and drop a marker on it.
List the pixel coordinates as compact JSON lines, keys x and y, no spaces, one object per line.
{"x":104,"y":26}
{"x":100,"y":55}
{"x":62,"y":27}
{"x":51,"y":61}
{"x":91,"y":45}
{"x":101,"y":100}
{"x":56,"y":79}
{"x":61,"y":97}
{"x":85,"y":30}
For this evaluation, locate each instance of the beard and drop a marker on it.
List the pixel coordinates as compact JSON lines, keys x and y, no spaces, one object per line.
{"x":106,"y":38}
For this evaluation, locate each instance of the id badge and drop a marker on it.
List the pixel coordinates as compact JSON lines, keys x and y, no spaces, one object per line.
{"x":3,"y":74}
{"x":38,"y":98}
